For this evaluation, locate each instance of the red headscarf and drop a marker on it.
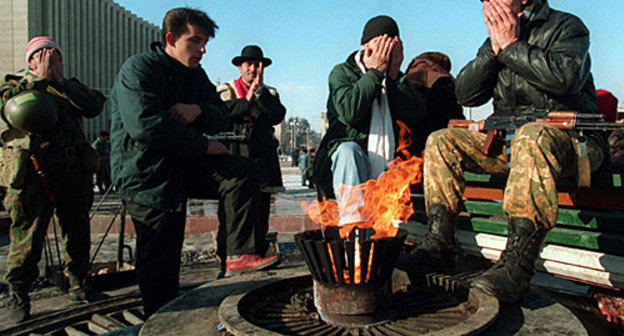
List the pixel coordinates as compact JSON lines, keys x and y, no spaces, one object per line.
{"x":242,"y":90}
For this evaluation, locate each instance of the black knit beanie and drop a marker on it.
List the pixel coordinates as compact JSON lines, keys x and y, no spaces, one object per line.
{"x":379,"y":25}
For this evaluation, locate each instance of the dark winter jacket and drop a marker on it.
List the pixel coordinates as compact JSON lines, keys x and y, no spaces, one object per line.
{"x":349,"y":107}
{"x":257,"y":124}
{"x":547,"y":68}
{"x":150,"y":149}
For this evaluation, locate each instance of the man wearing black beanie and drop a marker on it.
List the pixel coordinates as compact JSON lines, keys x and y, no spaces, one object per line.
{"x":368,"y":94}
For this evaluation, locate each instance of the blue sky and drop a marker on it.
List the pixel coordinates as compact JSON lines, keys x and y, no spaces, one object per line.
{"x":305,"y":39}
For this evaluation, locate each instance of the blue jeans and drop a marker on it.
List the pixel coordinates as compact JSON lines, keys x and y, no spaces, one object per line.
{"x":303,"y":178}
{"x":350,"y":167}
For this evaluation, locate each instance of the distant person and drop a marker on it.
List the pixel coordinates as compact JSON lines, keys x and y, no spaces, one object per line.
{"x":535,"y":58}
{"x":275,"y":183}
{"x":162,"y":104}
{"x":294,"y":156}
{"x":102,"y":147}
{"x":254,"y":108}
{"x":607,"y":105}
{"x":303,"y":164}
{"x":367,"y":95}
{"x":309,"y":173}
{"x":430,"y":74}
{"x":44,"y":122}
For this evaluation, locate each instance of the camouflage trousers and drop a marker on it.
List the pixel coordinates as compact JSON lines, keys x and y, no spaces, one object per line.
{"x":540,"y":155}
{"x":31,"y":210}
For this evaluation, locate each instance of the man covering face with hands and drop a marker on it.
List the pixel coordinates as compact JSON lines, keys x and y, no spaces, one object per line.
{"x":367,"y":95}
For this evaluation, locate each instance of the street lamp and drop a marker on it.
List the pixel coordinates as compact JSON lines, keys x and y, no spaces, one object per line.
{"x":294,"y":124}
{"x":307,"y":133}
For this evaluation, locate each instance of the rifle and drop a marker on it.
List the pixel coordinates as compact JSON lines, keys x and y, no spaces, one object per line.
{"x":496,"y":125}
{"x":228,"y":136}
{"x":506,"y":124}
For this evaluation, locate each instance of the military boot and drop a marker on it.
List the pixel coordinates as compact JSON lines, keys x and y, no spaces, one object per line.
{"x":437,"y":251}
{"x":19,"y":307}
{"x":80,"y":291}
{"x":511,"y":276}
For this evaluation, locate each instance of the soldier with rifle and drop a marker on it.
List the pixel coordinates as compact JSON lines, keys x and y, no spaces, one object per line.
{"x":46,"y":164}
{"x":535,"y":59}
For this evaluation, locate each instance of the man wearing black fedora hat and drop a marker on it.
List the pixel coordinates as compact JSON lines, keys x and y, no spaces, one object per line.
{"x":254,"y":108}
{"x":368,"y":94}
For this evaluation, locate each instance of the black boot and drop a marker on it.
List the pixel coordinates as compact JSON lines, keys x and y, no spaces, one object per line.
{"x":511,"y":276}
{"x":18,"y":306}
{"x":436,"y":253}
{"x":80,"y":292}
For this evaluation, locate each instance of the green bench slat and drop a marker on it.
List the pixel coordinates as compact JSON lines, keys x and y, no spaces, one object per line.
{"x":585,"y":219}
{"x":602,"y":180}
{"x":597,"y":241}
{"x":484,"y":208}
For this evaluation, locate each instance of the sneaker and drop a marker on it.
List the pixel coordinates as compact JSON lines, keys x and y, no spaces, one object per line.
{"x":84,"y":294}
{"x":19,"y":308}
{"x":249,"y":262}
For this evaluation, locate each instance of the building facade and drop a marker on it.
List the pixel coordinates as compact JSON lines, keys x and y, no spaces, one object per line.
{"x":96,"y":36}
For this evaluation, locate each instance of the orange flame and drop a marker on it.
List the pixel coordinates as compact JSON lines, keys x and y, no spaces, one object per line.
{"x":386,"y":198}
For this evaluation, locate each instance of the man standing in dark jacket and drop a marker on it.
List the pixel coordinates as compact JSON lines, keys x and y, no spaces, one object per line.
{"x":535,"y":58}
{"x":367,"y":95}
{"x":254,"y":108}
{"x":162,"y":103}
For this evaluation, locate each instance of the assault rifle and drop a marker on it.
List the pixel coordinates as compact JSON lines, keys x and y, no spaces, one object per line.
{"x":504,"y":125}
{"x":228,"y":136}
{"x":495,"y":124}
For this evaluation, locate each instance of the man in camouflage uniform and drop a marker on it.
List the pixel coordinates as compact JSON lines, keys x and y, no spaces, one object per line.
{"x":535,"y":58}
{"x":61,"y":150}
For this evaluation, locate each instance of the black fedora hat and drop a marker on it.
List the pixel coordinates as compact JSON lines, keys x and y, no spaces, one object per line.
{"x":253,"y":53}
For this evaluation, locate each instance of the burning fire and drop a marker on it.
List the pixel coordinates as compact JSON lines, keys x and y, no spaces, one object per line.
{"x":386,"y":198}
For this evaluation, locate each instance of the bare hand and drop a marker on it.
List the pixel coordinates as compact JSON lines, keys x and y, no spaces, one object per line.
{"x":502,"y":23}
{"x":490,"y":29}
{"x":216,"y":148}
{"x":47,"y":63}
{"x":376,"y":53}
{"x":256,"y":84}
{"x":185,"y":114}
{"x":396,"y":58}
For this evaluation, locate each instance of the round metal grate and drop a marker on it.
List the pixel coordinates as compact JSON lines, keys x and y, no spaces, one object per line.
{"x":442,"y":306}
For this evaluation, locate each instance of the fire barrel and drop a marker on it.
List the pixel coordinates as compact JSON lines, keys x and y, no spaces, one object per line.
{"x":352,"y":277}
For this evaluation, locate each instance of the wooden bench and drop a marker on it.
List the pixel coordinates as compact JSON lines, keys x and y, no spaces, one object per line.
{"x":586,"y":245}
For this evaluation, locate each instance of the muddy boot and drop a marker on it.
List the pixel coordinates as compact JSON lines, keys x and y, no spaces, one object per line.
{"x":511,"y":276}
{"x":18,"y":306}
{"x":80,"y":292}
{"x":436,"y":253}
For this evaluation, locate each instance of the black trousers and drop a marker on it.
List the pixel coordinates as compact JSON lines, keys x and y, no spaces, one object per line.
{"x":235,"y":181}
{"x":259,"y":236}
{"x":231,"y":179}
{"x":158,"y":251}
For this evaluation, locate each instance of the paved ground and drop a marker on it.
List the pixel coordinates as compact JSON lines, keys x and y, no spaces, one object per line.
{"x":536,"y":314}
{"x":197,"y":245}
{"x":198,"y":250}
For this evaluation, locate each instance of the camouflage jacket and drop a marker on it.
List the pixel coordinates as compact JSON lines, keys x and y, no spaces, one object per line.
{"x":74,"y":101}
